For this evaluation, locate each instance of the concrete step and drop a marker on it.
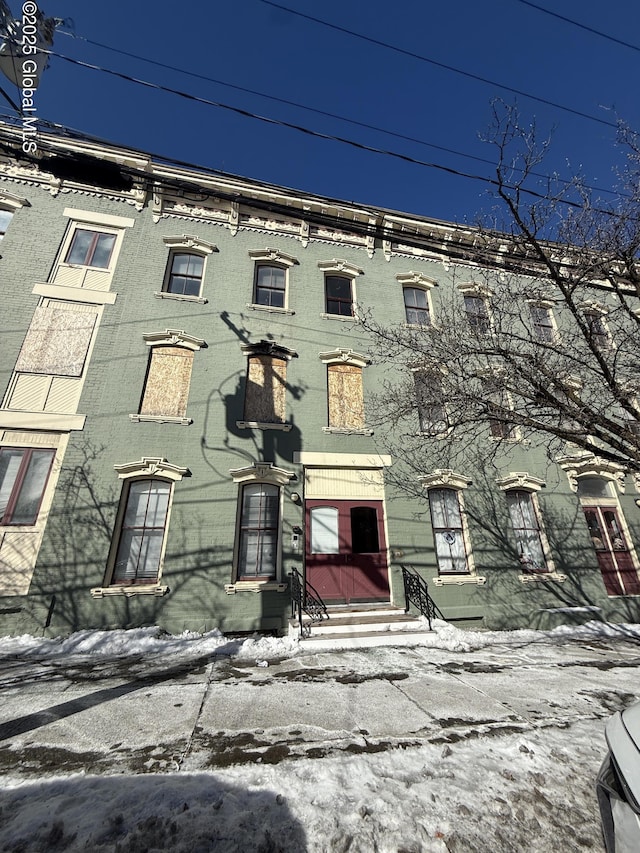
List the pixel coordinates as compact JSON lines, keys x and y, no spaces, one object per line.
{"x":370,"y":626}
{"x":363,"y":640}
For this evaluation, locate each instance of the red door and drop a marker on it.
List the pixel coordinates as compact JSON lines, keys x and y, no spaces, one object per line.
{"x":346,"y":551}
{"x":614,"y":557}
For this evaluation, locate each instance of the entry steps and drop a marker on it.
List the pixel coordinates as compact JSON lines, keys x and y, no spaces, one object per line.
{"x":361,"y":626}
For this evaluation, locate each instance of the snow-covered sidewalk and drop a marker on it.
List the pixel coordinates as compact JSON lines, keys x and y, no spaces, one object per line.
{"x":483,"y":741}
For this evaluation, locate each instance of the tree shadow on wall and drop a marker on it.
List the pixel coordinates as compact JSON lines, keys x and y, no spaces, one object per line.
{"x":74,"y":553}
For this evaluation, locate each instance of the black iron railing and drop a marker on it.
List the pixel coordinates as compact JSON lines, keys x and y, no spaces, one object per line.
{"x":305,"y":600}
{"x":416,"y":592}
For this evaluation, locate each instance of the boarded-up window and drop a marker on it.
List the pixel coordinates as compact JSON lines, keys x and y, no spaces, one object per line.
{"x":58,"y":339}
{"x":265,"y":395}
{"x":346,"y":400}
{"x":166,"y":390}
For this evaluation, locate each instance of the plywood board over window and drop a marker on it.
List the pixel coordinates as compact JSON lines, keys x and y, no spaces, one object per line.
{"x":265,"y":397}
{"x":167,"y":387}
{"x":346,"y":399}
{"x":58,"y":340}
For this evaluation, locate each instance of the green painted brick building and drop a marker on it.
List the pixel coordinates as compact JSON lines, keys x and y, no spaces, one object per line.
{"x":187,"y":406}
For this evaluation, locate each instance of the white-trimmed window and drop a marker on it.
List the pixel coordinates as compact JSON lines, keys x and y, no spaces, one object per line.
{"x":543,"y":324}
{"x":345,"y":393}
{"x":257,"y":553}
{"x":259,"y":527}
{"x":142,"y":532}
{"x":416,"y":294}
{"x":271,"y":280}
{"x":9,"y":203}
{"x":597,"y":326}
{"x":448,"y":531}
{"x":339,"y":289}
{"x":527,"y":530}
{"x":138,"y":545}
{"x":89,"y":250}
{"x":432,"y":413}
{"x":24,"y":472}
{"x":186,"y":266}
{"x":451,"y":538}
{"x":477,"y":310}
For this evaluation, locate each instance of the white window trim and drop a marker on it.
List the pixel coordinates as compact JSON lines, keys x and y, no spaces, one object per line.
{"x":549,"y":304}
{"x":11,"y":202}
{"x":174,"y":338}
{"x":260,"y":472}
{"x":193,"y":245}
{"x":146,"y":468}
{"x":271,"y":350}
{"x":99,"y":222}
{"x":446,"y":478}
{"x":522,"y":481}
{"x":275,"y":258}
{"x":340,"y":267}
{"x":343,"y":355}
{"x":91,"y":217}
{"x":590,"y":465}
{"x":74,"y":294}
{"x":421,"y":282}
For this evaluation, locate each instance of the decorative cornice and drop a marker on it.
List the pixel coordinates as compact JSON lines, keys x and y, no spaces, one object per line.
{"x":269,"y":348}
{"x":446,"y":478}
{"x":590,"y":465}
{"x":263,"y":472}
{"x":174,"y":337}
{"x":520,"y":480}
{"x":417,"y":278}
{"x":188,"y":241}
{"x":151,"y":466}
{"x":338,"y":265}
{"x":342,"y":355}
{"x":273,"y":256}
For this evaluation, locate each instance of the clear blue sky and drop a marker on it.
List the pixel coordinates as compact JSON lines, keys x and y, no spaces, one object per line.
{"x":249,"y":44}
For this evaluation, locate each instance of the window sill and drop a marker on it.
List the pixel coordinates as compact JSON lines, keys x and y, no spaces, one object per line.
{"x":75,"y":294}
{"x":254,"y":586}
{"x":459,"y":580}
{"x":350,"y":319}
{"x":180,"y":297}
{"x":160,"y":419}
{"x":14,"y":419}
{"x":541,"y":577}
{"x":269,"y":309}
{"x":347,"y":431}
{"x":416,"y":326}
{"x":129,"y":590}
{"x":284,"y":427}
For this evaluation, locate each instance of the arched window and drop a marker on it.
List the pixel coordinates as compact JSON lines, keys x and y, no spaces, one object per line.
{"x":184,"y":274}
{"x":142,"y":532}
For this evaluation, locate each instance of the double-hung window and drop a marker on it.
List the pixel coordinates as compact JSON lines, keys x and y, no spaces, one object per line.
{"x":184,"y":274}
{"x":416,"y":306}
{"x":142,"y":532}
{"x":338,"y":295}
{"x":477,"y":311}
{"x":527,"y":531}
{"x":448,"y":531}
{"x":542,"y":323}
{"x":270,"y":286}
{"x":259,"y":524}
{"x":24,"y":473}
{"x":432,"y":414}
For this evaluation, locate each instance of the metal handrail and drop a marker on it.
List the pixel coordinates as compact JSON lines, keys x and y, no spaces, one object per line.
{"x":416,"y":591}
{"x":305,"y":599}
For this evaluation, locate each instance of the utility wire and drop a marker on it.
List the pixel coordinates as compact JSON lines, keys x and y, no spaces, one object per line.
{"x":307,"y":131}
{"x":578,"y":24}
{"x":278,"y":100}
{"x":314,"y":110}
{"x":452,"y":68}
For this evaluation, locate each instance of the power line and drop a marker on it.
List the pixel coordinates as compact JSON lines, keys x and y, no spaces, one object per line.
{"x":305,"y":130}
{"x":285,"y":101}
{"x":423,"y":58}
{"x":578,"y":24}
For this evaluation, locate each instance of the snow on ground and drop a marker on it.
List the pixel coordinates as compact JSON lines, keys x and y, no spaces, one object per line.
{"x":499,"y":791}
{"x":138,"y":641}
